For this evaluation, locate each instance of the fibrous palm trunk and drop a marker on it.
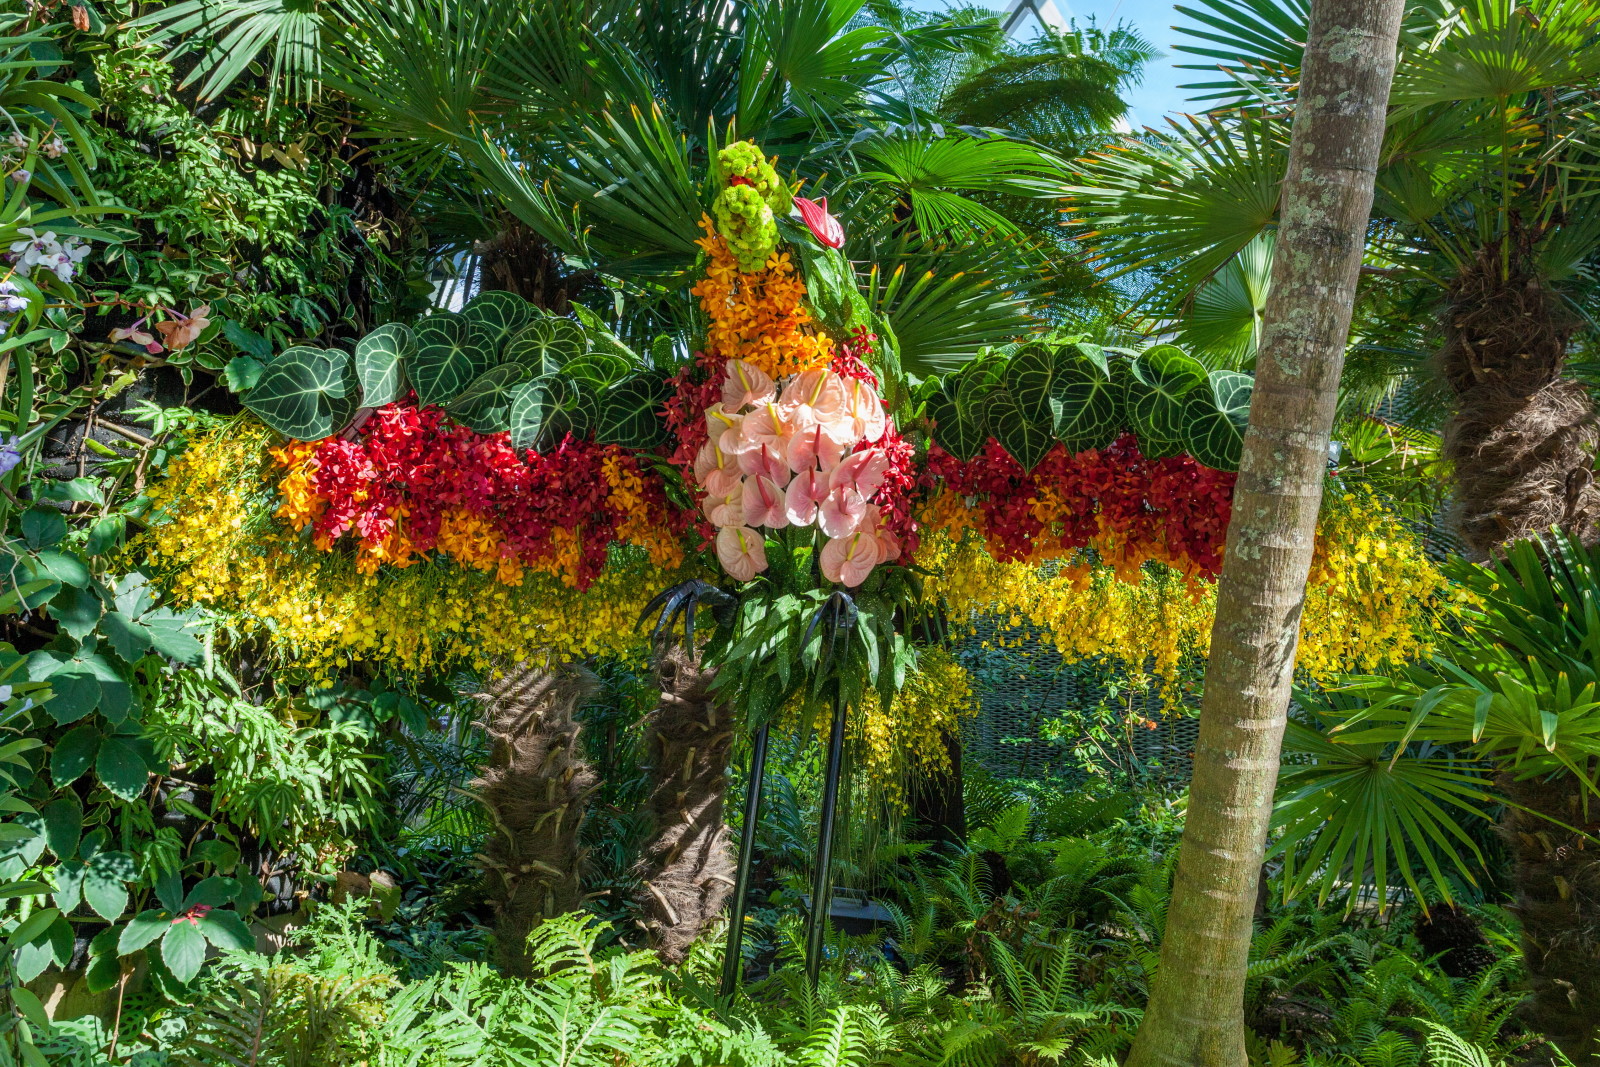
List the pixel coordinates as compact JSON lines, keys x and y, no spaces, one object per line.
{"x":1558,"y":901}
{"x":536,"y":788}
{"x":687,"y":864}
{"x":1523,"y":437}
{"x":1195,"y":1017}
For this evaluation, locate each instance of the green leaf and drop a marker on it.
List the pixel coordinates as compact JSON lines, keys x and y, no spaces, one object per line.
{"x":77,"y":610}
{"x":598,"y":369}
{"x":247,"y":340}
{"x":500,"y":313}
{"x":306,"y":393}
{"x":143,"y":929}
{"x":630,"y":413}
{"x":127,"y":636}
{"x":243,"y":373}
{"x":121,"y":767}
{"x":106,"y":535}
{"x":226,"y":929}
{"x":546,"y":344}
{"x":531,"y":407}
{"x":63,"y":825}
{"x":65,"y":567}
{"x":213,"y":891}
{"x":74,"y":693}
{"x":45,"y":938}
{"x":1162,"y":379}
{"x":1026,"y":439}
{"x":1029,"y":375}
{"x":69,"y":875}
{"x":43,"y":527}
{"x":380,"y":364}
{"x":1085,"y":404}
{"x":961,"y":437}
{"x":1216,"y":417}
{"x":173,"y":636}
{"x":184,"y":950}
{"x":449,"y":355}
{"x":105,"y":884}
{"x":72,"y":491}
{"x":73,"y":754}
{"x":485,"y":405}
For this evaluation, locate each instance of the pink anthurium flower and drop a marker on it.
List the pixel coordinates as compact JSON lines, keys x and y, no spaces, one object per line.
{"x":805,"y":493}
{"x":866,"y":411}
{"x":841,"y":512}
{"x":823,"y":226}
{"x":763,"y":502}
{"x":766,"y":425}
{"x":813,"y":449}
{"x":726,"y":429}
{"x":727,"y":509}
{"x":813,"y":398}
{"x":861,"y":471}
{"x":767,"y":462}
{"x":742,"y":552}
{"x":848,"y":560}
{"x":747,"y":386}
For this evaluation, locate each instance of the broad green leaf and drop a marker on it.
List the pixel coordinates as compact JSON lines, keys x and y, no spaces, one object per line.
{"x":306,"y":393}
{"x":213,"y":892}
{"x":43,"y":527}
{"x":143,"y":929}
{"x":1084,"y":402}
{"x":226,"y":930}
{"x":380,"y":364}
{"x":76,"y":610}
{"x":1025,"y":439}
{"x":532,"y":405}
{"x":602,"y":340}
{"x":546,"y":344}
{"x":63,"y":825}
{"x":1215,"y":419}
{"x":448,"y":357}
{"x":74,"y":693}
{"x":1029,"y":376}
{"x":959,"y":436}
{"x":69,"y":876}
{"x":173,"y":636}
{"x":1162,"y":379}
{"x":485,"y":405}
{"x":243,"y":373}
{"x":630,"y":413}
{"x":184,"y":950}
{"x":501,"y":313}
{"x":121,"y":767}
{"x":597,"y":369}
{"x":105,"y":884}
{"x":127,"y":636}
{"x":74,"y":753}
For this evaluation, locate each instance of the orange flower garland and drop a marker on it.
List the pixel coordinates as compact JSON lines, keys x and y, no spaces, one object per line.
{"x":760,"y":316}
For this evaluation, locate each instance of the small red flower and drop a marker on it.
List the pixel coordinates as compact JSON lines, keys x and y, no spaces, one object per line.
{"x":192,"y":915}
{"x":823,"y":226}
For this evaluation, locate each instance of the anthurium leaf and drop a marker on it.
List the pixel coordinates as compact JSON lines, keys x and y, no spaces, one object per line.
{"x":105,"y":884}
{"x":448,"y":357}
{"x":183,"y":950}
{"x":380,"y":364}
{"x":1029,"y":375}
{"x":955,"y":434}
{"x":128,"y":636}
{"x":74,"y":753}
{"x":500,"y":313}
{"x":143,"y":929}
{"x":1216,"y":417}
{"x":1026,"y":439}
{"x":121,"y":767}
{"x":226,"y":930}
{"x":305,"y":393}
{"x":630,"y":413}
{"x":546,"y":344}
{"x":485,"y":405}
{"x":531,"y":406}
{"x":1162,"y":379}
{"x":597,"y":369}
{"x":1084,"y":403}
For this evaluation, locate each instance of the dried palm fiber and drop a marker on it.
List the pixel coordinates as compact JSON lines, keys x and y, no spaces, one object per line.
{"x":1522,"y":439}
{"x":536,"y":788}
{"x":687,"y":864}
{"x":1558,"y":902}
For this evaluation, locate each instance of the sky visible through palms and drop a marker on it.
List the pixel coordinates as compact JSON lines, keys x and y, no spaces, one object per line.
{"x":1158,"y":94}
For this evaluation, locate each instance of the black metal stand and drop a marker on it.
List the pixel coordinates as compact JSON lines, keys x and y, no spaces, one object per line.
{"x":733,"y":960}
{"x":822,"y":878}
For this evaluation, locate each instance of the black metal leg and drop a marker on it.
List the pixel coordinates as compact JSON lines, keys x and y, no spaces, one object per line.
{"x":822,"y":879}
{"x":732,"y":962}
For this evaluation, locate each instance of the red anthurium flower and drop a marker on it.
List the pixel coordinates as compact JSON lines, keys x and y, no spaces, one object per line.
{"x":823,"y":226}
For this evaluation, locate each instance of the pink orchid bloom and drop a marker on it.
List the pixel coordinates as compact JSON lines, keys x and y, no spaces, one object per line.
{"x":848,"y":560}
{"x":861,"y":471}
{"x":727,"y":509}
{"x":766,"y":462}
{"x":866,"y":411}
{"x":841,"y":512}
{"x":742,"y":552}
{"x":823,"y":226}
{"x":747,"y":386}
{"x":805,"y":493}
{"x":763,"y":502}
{"x":813,"y":449}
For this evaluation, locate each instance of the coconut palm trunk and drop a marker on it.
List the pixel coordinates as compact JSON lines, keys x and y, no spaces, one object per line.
{"x":1195,"y":1017}
{"x":687,"y":862}
{"x":536,"y":788}
{"x":1523,"y":437}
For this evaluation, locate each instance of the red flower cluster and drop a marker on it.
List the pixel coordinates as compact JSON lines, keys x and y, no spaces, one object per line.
{"x":410,"y":482}
{"x":1127,"y":506}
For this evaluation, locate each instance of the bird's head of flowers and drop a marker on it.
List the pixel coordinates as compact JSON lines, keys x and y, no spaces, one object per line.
{"x":797,"y":455}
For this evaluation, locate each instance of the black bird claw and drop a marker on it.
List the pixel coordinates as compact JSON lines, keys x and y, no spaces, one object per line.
{"x":836,"y":617}
{"x":683,"y":600}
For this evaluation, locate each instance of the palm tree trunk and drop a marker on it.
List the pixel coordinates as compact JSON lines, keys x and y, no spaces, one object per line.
{"x":536,"y":788}
{"x":1195,"y":1017}
{"x":1522,"y":438}
{"x":1558,"y":901}
{"x":687,"y":862}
